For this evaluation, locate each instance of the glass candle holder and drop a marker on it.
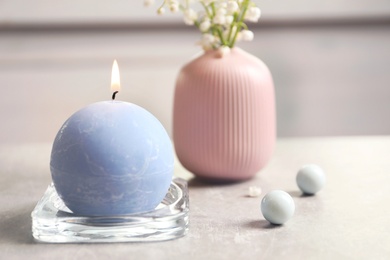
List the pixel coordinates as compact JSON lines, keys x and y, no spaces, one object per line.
{"x":53,"y":222}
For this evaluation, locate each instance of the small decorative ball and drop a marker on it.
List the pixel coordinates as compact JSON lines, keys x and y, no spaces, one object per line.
{"x":310,"y":179}
{"x":277,"y":207}
{"x":112,"y":158}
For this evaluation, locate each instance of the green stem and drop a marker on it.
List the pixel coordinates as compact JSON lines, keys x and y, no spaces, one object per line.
{"x":240,"y":22}
{"x":212,"y":5}
{"x":162,"y":5}
{"x":220,"y":34}
{"x":231,"y":28}
{"x":207,"y":10}
{"x":197,"y":24}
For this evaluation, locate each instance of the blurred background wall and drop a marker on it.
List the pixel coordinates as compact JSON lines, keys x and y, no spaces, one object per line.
{"x":330,"y":61}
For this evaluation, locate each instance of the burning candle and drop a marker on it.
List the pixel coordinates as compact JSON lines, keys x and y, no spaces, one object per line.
{"x":112,"y":158}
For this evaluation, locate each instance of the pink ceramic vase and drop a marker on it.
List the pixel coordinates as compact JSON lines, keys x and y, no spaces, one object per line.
{"x":224,"y":115}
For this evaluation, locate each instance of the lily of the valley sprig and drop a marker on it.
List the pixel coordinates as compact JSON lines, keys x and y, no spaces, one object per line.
{"x":221,"y":22}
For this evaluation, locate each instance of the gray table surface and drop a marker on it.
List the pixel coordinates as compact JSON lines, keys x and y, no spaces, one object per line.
{"x":348,"y":219}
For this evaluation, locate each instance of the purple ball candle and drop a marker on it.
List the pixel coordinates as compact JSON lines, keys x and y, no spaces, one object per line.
{"x":112,"y":158}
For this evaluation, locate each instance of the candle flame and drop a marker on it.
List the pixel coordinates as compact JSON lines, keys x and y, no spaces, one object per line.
{"x":115,"y":78}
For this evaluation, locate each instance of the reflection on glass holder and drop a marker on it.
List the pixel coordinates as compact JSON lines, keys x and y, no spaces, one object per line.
{"x":53,"y":222}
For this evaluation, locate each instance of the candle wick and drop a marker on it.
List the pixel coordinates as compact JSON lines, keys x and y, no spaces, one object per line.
{"x":114,"y":94}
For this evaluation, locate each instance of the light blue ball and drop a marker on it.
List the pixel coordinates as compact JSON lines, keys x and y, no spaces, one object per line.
{"x":112,"y":158}
{"x":277,"y":207}
{"x":310,"y":179}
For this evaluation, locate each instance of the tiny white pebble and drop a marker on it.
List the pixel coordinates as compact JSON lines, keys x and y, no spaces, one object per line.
{"x":277,"y":207}
{"x":310,"y":178}
{"x":254,"y":191}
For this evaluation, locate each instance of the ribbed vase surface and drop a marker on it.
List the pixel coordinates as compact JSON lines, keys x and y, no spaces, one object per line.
{"x":224,"y":115}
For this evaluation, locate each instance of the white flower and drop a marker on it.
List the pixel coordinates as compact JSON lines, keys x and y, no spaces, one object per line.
{"x":232,"y":7}
{"x":221,"y":22}
{"x":161,"y":10}
{"x":253,"y":14}
{"x":229,"y":20}
{"x":223,"y":50}
{"x":219,"y":19}
{"x":190,"y":16}
{"x":205,"y":25}
{"x":174,"y":8}
{"x":221,"y":11}
{"x":246,"y":35}
{"x":208,"y":41}
{"x":148,"y":2}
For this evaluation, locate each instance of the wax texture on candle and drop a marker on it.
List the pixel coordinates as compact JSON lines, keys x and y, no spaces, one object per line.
{"x":112,"y":158}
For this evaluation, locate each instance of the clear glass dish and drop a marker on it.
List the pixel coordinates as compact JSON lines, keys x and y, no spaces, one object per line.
{"x":53,"y":222}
